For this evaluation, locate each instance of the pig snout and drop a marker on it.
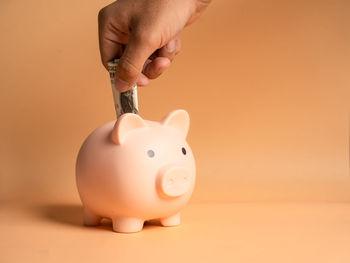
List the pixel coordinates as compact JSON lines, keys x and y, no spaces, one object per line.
{"x":174,"y":181}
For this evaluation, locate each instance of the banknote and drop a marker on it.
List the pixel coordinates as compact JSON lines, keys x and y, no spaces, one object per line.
{"x":124,"y":102}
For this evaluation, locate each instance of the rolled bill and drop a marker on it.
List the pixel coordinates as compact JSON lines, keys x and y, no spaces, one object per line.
{"x":123,"y":101}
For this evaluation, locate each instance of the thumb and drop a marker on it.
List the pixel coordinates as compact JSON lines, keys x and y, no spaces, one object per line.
{"x":131,"y":63}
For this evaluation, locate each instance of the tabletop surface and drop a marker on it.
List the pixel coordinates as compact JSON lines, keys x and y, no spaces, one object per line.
{"x":210,"y":232}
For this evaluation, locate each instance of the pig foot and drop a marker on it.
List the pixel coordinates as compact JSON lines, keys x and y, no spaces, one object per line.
{"x":173,"y":220}
{"x":91,"y":219}
{"x":127,"y":224}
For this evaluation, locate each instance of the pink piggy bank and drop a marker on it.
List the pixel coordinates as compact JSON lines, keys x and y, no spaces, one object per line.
{"x":134,"y":170}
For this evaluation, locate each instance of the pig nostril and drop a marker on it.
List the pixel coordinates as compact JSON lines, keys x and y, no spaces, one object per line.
{"x":183,"y":150}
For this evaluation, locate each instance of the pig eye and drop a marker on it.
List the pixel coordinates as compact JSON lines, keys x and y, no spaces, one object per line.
{"x":183,"y":150}
{"x":150,"y":153}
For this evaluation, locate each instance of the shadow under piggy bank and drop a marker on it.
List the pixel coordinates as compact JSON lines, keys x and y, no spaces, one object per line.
{"x":72,"y":215}
{"x":68,"y":214}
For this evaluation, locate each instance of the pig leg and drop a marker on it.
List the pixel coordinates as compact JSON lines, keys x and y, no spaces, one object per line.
{"x":90,"y":219}
{"x":173,"y":220}
{"x":127,"y":224}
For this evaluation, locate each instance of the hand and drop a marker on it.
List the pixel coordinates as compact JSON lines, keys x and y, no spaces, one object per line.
{"x":144,"y":34}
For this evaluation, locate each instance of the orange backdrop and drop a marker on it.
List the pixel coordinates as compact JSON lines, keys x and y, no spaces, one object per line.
{"x":266,"y":84}
{"x":267,"y":87}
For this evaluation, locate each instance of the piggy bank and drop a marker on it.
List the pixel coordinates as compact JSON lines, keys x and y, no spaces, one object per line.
{"x":133,"y":170}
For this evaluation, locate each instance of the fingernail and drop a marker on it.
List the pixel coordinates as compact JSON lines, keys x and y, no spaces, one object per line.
{"x":170,"y":47}
{"x":121,"y":85}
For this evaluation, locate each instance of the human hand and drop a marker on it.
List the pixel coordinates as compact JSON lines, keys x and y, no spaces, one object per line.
{"x":144,"y":34}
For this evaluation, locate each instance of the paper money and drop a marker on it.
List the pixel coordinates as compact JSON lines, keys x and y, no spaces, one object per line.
{"x":123,"y":101}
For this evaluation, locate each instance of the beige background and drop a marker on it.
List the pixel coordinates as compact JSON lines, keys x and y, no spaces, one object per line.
{"x":267,"y":87}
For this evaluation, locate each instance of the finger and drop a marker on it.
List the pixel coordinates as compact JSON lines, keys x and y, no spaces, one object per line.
{"x":132,"y":60}
{"x":109,"y":50}
{"x":156,"y":67}
{"x":142,"y":80}
{"x":170,"y":49}
{"x":110,"y":44}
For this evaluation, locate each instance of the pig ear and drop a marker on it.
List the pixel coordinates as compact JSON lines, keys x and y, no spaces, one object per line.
{"x":178,"y":119}
{"x":124,"y":124}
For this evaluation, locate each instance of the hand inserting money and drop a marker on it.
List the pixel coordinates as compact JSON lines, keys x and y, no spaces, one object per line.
{"x":144,"y":35}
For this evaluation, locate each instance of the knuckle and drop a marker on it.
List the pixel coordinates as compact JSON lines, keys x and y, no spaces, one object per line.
{"x":178,"y":44}
{"x":146,"y":37}
{"x":153,"y":39}
{"x":177,"y":48}
{"x":102,"y":14}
